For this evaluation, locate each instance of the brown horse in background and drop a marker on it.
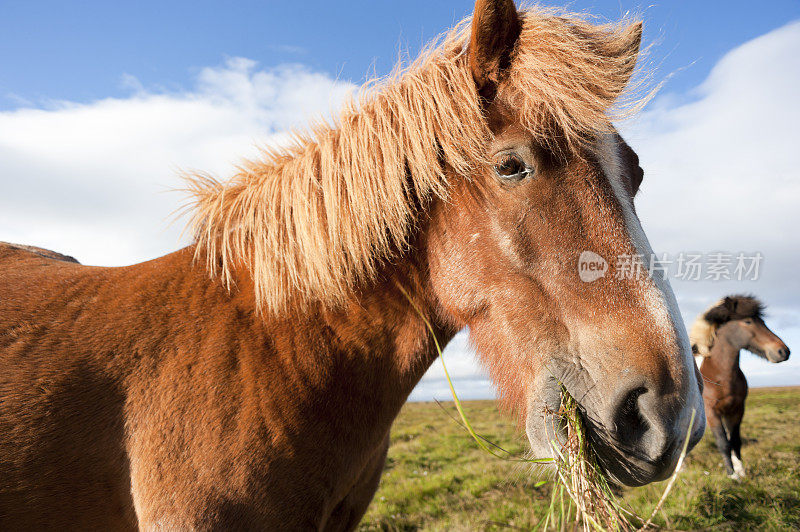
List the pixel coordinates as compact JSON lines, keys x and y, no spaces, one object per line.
{"x":718,"y":335}
{"x":255,"y":388}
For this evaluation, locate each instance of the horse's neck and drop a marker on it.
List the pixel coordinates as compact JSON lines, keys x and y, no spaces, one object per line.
{"x":312,"y":392}
{"x":352,"y":367}
{"x":725,"y":356}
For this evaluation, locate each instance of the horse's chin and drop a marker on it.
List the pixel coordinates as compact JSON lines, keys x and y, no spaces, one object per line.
{"x":542,"y":425}
{"x":625,"y":468}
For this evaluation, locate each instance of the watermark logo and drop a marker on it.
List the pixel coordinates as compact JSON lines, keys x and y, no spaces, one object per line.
{"x":591,"y":266}
{"x":684,"y":266}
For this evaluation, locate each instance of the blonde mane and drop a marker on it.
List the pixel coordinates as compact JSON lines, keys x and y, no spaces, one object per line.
{"x":702,"y":333}
{"x":315,"y":218}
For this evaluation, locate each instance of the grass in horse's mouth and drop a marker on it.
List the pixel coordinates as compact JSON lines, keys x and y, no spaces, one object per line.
{"x":583,"y":496}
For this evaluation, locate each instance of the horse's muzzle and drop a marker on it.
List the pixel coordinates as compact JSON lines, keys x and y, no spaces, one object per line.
{"x":640,"y":436}
{"x":636,"y":433}
{"x":778,"y":355}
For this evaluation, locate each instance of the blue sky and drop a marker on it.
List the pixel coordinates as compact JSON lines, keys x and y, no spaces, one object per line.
{"x":82,"y":51}
{"x":102,"y":103}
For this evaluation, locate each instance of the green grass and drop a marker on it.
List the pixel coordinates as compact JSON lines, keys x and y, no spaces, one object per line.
{"x":437,"y":478}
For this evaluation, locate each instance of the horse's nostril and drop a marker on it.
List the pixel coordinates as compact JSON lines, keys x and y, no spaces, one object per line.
{"x":629,"y":423}
{"x":783,"y":353}
{"x":640,"y":431}
{"x":640,"y":426}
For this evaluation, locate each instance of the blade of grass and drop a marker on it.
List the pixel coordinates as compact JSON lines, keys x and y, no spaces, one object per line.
{"x":478,"y":439}
{"x":460,"y":424}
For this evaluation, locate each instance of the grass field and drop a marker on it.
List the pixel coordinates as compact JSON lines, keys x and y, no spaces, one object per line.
{"x":436,"y":477}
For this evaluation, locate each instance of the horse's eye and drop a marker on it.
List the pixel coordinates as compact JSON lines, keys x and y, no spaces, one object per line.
{"x":510,"y":166}
{"x":748,"y":321}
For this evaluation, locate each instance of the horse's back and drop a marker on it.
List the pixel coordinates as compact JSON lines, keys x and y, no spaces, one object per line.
{"x":25,"y":272}
{"x":61,"y":424}
{"x":35,"y":286}
{"x":11,"y":250}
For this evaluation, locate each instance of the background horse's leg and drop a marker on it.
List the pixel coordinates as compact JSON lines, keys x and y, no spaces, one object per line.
{"x":723,"y":444}
{"x":732,"y":424}
{"x":736,"y":447}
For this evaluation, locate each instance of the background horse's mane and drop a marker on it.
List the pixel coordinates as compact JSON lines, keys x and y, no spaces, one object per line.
{"x":313,"y":219}
{"x":733,"y":307}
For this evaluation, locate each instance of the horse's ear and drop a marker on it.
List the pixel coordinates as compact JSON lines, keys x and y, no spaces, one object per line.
{"x":630,"y":42}
{"x":627,"y":52}
{"x":495,"y":29}
{"x":720,"y":313}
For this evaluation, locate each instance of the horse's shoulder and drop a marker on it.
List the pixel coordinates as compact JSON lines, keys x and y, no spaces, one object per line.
{"x":9,"y":251}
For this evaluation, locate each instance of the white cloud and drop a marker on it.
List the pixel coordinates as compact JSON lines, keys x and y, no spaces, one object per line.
{"x":725,"y":165}
{"x":93,"y":180}
{"x":722,"y":174}
{"x":90,"y":180}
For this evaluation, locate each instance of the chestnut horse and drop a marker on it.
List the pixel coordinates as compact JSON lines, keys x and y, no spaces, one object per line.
{"x":255,"y":388}
{"x":718,"y":335}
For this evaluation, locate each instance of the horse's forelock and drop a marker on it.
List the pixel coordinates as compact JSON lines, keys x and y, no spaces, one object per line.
{"x":734,"y":307}
{"x":747,"y":306}
{"x":581,"y":100}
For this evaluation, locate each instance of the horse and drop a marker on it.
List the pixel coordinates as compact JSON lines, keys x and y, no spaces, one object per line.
{"x":250,"y":379}
{"x":718,"y":335}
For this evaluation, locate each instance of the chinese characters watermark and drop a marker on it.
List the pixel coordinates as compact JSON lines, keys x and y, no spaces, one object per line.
{"x":684,"y":266}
